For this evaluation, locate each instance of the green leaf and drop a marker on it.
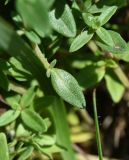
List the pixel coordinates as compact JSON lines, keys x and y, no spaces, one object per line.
{"x":90,"y":76}
{"x":67,"y":87}
{"x":114,"y":86}
{"x":91,"y":21}
{"x":119,"y":44}
{"x":4,"y":83}
{"x":49,"y":3}
{"x":98,"y":8}
{"x":124,"y":57}
{"x":105,"y":36}
{"x":111,"y":63}
{"x":16,"y":47}
{"x":80,"y":41}
{"x":13,"y":101}
{"x":18,"y":71}
{"x":49,"y":151}
{"x":62,"y":21}
{"x":22,"y":132}
{"x":63,"y":138}
{"x":26,"y":153}
{"x":106,"y":15}
{"x":33,"y":120}
{"x":87,"y":4}
{"x":28,"y":97}
{"x":32,"y":36}
{"x":102,"y":5}
{"x":29,"y":10}
{"x":4,"y":152}
{"x":45,"y":140}
{"x":8,"y":117}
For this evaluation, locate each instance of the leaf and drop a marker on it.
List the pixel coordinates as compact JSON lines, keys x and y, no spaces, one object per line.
{"x":124,"y":57}
{"x":18,"y":71}
{"x":22,"y":132}
{"x":19,"y":76}
{"x":16,"y":47}
{"x":45,"y":140}
{"x":87,"y":4}
{"x":8,"y":117}
{"x":49,"y":3}
{"x":29,"y":10}
{"x":26,"y":154}
{"x":62,"y":21}
{"x":32,"y":36}
{"x":102,"y":5}
{"x":48,"y":151}
{"x":111,"y":63}
{"x":80,"y":41}
{"x":63,"y":138}
{"x":114,"y":86}
{"x":90,"y":76}
{"x":107,"y":14}
{"x":91,"y":21}
{"x":17,"y":68}
{"x":13,"y":101}
{"x":67,"y":87}
{"x":4,"y":83}
{"x":119,"y":44}
{"x":33,"y":120}
{"x":28,"y":97}
{"x":4,"y":152}
{"x":105,"y":36}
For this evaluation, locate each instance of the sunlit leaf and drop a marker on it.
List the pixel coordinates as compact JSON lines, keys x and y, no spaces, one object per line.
{"x":80,"y":40}
{"x":67,"y":87}
{"x":8,"y":117}
{"x":28,"y":97}
{"x":62,"y":21}
{"x":33,"y":120}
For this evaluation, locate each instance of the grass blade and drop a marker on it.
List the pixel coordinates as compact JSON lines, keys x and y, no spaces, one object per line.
{"x":98,"y":139}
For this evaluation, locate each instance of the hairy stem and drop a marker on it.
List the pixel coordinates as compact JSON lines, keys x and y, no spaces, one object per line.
{"x":41,"y":56}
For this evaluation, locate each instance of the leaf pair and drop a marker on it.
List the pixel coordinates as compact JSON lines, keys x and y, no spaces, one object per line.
{"x":94,"y":22}
{"x":111,"y":41}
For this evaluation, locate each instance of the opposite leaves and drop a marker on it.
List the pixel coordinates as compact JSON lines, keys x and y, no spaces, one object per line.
{"x":67,"y":87}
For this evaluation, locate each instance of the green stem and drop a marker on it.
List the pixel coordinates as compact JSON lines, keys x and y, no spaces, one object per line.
{"x":41,"y":56}
{"x":98,"y":139}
